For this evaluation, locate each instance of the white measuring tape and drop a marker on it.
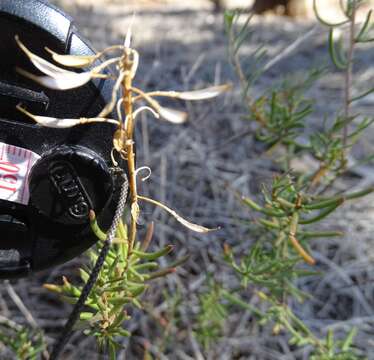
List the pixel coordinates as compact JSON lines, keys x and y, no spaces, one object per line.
{"x":15,"y":165}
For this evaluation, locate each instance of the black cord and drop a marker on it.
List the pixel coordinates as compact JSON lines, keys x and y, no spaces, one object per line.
{"x":68,"y":328}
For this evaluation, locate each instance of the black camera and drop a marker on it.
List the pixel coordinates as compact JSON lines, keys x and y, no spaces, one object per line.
{"x":49,"y":178}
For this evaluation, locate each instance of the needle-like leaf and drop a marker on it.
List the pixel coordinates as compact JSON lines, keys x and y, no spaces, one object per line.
{"x":149,"y":172}
{"x":171,"y":115}
{"x":49,"y":121}
{"x":189,"y":225}
{"x":64,"y":81}
{"x":201,"y":94}
{"x":61,"y":79}
{"x":43,"y":65}
{"x":77,"y":61}
{"x":80,"y":61}
{"x":63,"y":123}
{"x":145,"y":108}
{"x":336,"y":52}
{"x":324,"y":22}
{"x":135,"y":63}
{"x":128,"y":37}
{"x":204,"y":94}
{"x":135,"y":113}
{"x":110,"y":105}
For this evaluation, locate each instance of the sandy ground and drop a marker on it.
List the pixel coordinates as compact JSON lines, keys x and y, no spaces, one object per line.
{"x":185,"y":47}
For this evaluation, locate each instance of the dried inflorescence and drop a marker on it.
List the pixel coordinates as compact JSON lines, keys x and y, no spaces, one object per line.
{"x":125,"y":60}
{"x":128,"y":266}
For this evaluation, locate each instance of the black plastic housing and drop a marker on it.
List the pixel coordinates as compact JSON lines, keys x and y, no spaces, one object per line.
{"x":35,"y":236}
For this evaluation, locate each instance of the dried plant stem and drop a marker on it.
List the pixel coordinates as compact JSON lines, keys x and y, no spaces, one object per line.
{"x":127,"y":130}
{"x":134,"y":195}
{"x":295,"y":243}
{"x":20,"y":305}
{"x":300,"y":250}
{"x":318,"y":175}
{"x":148,"y":236}
{"x":235,"y":60}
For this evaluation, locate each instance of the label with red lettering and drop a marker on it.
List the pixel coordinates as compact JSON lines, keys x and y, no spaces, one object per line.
{"x":15,"y":165}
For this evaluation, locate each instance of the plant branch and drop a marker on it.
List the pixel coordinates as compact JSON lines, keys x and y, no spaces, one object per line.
{"x":348,"y":74}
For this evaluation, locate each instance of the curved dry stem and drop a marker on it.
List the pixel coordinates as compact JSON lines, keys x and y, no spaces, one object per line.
{"x":110,"y":106}
{"x":148,"y":169}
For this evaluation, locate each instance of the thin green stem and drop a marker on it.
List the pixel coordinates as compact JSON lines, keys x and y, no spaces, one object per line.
{"x":348,"y":74}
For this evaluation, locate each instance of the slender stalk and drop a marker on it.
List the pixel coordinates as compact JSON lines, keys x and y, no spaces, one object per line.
{"x":295,"y":243}
{"x":298,"y":322}
{"x":127,"y":134}
{"x":238,"y":66}
{"x":348,"y":73}
{"x":297,"y":246}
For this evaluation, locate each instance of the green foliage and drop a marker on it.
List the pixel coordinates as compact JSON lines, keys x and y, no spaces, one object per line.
{"x":124,"y":277}
{"x":26,"y":344}
{"x":336,"y":349}
{"x":212,"y":316}
{"x":261,"y":268}
{"x":289,"y":212}
{"x":281,"y":111}
{"x":300,"y":335}
{"x":169,"y":320}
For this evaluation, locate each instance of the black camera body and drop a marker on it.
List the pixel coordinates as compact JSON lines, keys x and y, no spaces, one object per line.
{"x":49,"y":178}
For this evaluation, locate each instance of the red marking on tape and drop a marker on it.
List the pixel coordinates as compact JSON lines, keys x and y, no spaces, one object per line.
{"x":26,"y":176}
{"x":2,"y":151}
{"x":15,"y":166}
